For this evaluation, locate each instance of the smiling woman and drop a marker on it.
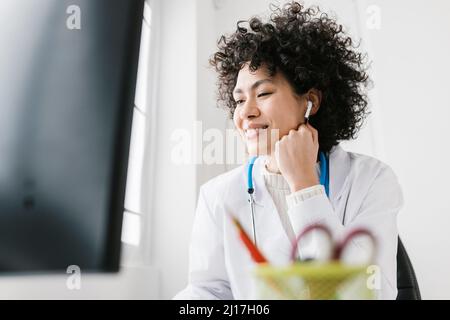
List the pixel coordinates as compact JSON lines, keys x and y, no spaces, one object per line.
{"x":269,"y":75}
{"x":309,"y":50}
{"x":272,"y":101}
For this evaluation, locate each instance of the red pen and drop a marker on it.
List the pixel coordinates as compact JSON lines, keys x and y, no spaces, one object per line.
{"x":259,"y":258}
{"x":253,"y":250}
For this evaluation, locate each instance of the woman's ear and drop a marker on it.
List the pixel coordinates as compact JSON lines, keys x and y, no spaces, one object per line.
{"x":315,"y":96}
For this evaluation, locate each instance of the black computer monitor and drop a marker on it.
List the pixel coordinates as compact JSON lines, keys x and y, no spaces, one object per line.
{"x":67,"y":82}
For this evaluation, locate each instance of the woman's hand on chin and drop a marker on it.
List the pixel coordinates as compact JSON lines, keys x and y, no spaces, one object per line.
{"x":296,"y":156}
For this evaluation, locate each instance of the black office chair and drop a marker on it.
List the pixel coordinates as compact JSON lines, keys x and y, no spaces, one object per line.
{"x":407,"y":286}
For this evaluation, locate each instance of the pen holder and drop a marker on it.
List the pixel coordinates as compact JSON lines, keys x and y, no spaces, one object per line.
{"x":312,"y":281}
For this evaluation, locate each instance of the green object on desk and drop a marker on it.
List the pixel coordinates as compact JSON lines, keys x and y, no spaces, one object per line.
{"x":312,"y":281}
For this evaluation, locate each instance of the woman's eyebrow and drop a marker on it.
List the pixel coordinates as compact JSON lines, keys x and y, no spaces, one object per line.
{"x":255,"y":85}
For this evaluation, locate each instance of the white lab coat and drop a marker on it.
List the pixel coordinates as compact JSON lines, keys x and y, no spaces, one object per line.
{"x":220,"y":266}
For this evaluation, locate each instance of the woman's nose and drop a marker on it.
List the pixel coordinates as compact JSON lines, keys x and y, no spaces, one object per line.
{"x":249,"y":109}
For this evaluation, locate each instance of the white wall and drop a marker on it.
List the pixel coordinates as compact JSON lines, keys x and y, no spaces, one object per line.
{"x":207,"y":111}
{"x":411,"y":53}
{"x":408,"y":127}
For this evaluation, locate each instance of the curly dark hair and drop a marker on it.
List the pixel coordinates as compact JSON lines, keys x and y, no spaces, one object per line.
{"x":312,"y":51}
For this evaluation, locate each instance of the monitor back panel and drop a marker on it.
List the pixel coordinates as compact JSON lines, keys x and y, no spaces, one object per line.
{"x":67,"y":82}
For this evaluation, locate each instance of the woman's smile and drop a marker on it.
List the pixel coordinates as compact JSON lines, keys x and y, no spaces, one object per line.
{"x":253,"y":133}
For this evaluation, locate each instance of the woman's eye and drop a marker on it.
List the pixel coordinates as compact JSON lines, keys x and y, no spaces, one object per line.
{"x":238,"y":102}
{"x":264,"y":94}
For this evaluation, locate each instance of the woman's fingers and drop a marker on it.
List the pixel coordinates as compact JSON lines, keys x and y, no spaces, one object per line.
{"x":314,"y":132}
{"x":310,"y":130}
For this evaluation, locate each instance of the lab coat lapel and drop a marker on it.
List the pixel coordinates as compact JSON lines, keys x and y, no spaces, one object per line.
{"x":339,"y":170}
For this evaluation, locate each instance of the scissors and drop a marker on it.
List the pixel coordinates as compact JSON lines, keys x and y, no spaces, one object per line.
{"x":336,"y":249}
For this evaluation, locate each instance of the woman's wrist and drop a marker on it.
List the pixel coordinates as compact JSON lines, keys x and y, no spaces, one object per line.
{"x":303,"y":181}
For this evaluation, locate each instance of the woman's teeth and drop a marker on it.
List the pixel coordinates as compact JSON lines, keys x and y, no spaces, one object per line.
{"x":252,"y":133}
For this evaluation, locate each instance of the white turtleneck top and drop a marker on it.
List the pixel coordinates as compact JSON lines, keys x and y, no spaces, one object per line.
{"x":283,"y":198}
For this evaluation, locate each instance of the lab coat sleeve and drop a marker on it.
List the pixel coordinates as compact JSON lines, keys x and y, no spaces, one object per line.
{"x":207,"y":274}
{"x":377,"y":212}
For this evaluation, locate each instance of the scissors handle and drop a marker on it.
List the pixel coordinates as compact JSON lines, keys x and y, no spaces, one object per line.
{"x":306,"y":231}
{"x":336,"y":249}
{"x":339,"y":249}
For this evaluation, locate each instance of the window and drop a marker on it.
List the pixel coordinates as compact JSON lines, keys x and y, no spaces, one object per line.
{"x":136,"y":222}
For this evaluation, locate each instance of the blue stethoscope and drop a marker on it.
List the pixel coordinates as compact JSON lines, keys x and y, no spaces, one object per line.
{"x":324,"y":180}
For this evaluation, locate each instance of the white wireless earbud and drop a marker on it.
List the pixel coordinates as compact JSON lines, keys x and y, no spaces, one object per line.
{"x":308,"y":111}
